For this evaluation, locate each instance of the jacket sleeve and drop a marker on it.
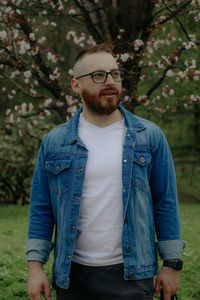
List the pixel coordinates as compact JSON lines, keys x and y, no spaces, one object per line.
{"x":164,"y":194}
{"x":41,"y":221}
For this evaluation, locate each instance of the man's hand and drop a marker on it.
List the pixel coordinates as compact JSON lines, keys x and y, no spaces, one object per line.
{"x":37,"y":281}
{"x":169,"y":280}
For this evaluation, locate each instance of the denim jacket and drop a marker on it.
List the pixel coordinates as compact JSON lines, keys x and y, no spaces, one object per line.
{"x":149,"y":199}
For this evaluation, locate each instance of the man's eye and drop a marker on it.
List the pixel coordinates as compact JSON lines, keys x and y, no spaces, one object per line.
{"x":116,"y":74}
{"x":98,"y":75}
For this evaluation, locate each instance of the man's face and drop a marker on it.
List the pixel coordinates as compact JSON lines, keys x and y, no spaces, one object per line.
{"x":99,"y":98}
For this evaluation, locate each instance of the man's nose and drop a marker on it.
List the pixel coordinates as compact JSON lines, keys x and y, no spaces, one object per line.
{"x":109,"y":79}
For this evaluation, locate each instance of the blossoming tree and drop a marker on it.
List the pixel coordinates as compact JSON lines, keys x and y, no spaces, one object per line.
{"x":156,"y":42}
{"x":153,"y":41}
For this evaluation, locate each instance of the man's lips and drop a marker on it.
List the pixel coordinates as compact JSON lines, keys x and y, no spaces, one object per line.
{"x":109,"y":92}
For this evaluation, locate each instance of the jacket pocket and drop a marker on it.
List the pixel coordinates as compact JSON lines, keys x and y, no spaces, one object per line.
{"x":59,"y":174}
{"x":141,"y":167}
{"x":142,"y":158}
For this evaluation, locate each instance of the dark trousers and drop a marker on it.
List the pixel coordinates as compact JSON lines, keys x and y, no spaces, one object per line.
{"x":104,"y":283}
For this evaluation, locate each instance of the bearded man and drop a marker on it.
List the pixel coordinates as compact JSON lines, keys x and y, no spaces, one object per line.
{"x":105,"y":181}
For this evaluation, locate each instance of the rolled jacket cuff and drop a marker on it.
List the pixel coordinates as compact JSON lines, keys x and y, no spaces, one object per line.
{"x":172,"y":249}
{"x":39,"y":250}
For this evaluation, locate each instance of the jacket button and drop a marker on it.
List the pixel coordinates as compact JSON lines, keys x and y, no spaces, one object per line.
{"x":131,"y":275}
{"x":57,"y":167}
{"x":142,"y":159}
{"x":128,"y":249}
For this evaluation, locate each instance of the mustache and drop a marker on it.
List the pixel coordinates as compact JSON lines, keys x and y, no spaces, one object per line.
{"x":109,"y":89}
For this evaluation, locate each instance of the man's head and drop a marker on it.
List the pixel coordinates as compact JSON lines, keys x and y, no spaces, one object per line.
{"x":97,"y":79}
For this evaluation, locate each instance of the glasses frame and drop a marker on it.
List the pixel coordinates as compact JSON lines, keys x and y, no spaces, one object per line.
{"x":107,"y":73}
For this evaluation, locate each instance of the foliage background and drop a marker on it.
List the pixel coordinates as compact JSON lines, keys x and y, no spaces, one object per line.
{"x":157,"y":43}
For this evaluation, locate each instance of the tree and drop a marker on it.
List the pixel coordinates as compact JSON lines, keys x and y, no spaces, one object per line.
{"x":151,"y":38}
{"x":156,"y":42}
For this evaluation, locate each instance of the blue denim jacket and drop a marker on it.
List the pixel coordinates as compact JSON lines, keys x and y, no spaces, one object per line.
{"x":149,"y":199}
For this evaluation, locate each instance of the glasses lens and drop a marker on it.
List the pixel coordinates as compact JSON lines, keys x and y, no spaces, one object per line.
{"x":99,"y":77}
{"x":117,"y":75}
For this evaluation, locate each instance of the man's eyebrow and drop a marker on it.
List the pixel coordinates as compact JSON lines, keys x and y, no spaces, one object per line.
{"x":100,"y":70}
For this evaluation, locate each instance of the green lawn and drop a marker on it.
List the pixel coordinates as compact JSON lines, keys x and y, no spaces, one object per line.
{"x":13,"y":270}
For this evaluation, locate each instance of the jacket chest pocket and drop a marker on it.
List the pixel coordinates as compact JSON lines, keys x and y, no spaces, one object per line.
{"x":141,"y":168}
{"x":59,"y":174}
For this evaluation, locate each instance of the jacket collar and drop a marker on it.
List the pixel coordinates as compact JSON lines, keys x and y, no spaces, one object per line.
{"x":132,"y":123}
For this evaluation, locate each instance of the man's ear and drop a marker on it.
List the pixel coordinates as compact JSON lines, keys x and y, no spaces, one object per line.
{"x":75,"y":84}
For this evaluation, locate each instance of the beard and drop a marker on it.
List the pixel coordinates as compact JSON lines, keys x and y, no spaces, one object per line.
{"x":101,"y":105}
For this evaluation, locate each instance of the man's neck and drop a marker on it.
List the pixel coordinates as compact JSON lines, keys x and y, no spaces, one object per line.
{"x":102,"y":120}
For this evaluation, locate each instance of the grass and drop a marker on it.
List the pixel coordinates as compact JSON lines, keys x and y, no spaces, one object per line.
{"x":13,"y":269}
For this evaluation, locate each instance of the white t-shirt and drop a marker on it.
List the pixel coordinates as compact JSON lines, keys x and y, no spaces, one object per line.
{"x":99,"y":232}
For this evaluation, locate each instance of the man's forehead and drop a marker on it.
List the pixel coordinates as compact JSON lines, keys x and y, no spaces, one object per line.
{"x":95,"y":61}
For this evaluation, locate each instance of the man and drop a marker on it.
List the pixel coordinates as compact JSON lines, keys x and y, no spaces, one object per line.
{"x":105,"y":180}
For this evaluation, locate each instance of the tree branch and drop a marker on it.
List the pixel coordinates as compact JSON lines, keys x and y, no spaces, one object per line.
{"x":95,"y":33}
{"x":178,"y":20}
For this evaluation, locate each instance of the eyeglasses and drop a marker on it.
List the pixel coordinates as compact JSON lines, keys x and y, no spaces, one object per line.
{"x":101,"y":76}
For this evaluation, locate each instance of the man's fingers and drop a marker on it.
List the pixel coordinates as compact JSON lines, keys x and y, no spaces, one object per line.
{"x":33,"y":296}
{"x":157,"y":287}
{"x":167,"y":296}
{"x":47,"y":291}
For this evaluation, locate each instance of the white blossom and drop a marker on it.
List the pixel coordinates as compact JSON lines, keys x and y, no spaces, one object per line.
{"x":56,"y":73}
{"x":35,"y":51}
{"x":181,"y":74}
{"x":170,"y":73}
{"x":47,"y":102}
{"x":32,"y":36}
{"x":59,"y":103}
{"x":72,"y":11}
{"x":8,"y":111}
{"x":51,"y":57}
{"x":126,"y":98}
{"x":70,"y":34}
{"x":33,"y":92}
{"x":41,"y":116}
{"x":124,"y":57}
{"x":72,"y":109}
{"x":10,"y":96}
{"x":11,"y":118}
{"x":47,"y":112}
{"x":30,"y":107}
{"x":160,"y":65}
{"x":195,"y":2}
{"x":91,"y":41}
{"x":71,"y":72}
{"x":189,"y":45}
{"x":42,"y":40}
{"x":137,"y":44}
{"x":52,"y":77}
{"x":22,"y":50}
{"x":14,"y":73}
{"x":23,"y":108}
{"x":3,"y":35}
{"x":27,"y":74}
{"x":17,"y":2}
{"x":156,"y":99}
